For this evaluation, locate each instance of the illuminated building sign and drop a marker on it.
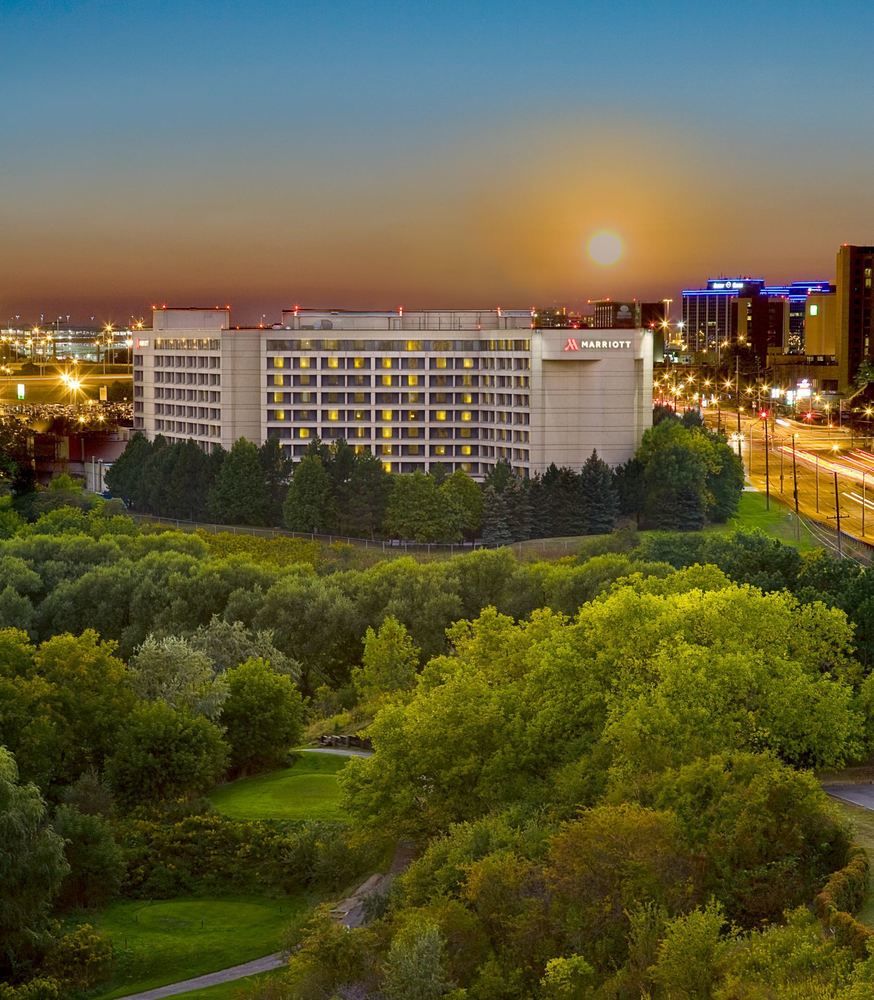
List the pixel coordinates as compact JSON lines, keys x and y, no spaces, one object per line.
{"x":573,"y":344}
{"x":725,"y":285}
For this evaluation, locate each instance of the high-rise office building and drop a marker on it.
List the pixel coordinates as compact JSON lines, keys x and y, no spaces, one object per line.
{"x":854,"y":310}
{"x":707,"y":312}
{"x":462,"y":389}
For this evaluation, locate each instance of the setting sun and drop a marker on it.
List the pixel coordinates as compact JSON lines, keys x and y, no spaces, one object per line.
{"x":605,"y":248}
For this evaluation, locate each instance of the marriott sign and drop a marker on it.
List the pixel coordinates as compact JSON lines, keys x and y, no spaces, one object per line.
{"x":574,"y":344}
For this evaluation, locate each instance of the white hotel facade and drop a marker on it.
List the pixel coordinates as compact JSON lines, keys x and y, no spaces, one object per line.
{"x":465,"y":389}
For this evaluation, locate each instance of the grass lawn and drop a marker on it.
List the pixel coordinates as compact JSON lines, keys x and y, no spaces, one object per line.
{"x":863,"y":823}
{"x":169,"y":940}
{"x":230,"y":991}
{"x":306,"y":790}
{"x":778,"y":522}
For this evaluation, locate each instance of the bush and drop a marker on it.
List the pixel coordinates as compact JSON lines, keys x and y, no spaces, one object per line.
{"x":95,"y":860}
{"x":37,"y":989}
{"x":81,"y":959}
{"x":846,"y":888}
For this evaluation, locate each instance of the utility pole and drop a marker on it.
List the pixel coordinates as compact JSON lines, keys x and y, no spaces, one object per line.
{"x":817,"y":482}
{"x":737,"y":399}
{"x":863,"y":504}
{"x":795,"y":489}
{"x":838,"y":517}
{"x":767,"y":481}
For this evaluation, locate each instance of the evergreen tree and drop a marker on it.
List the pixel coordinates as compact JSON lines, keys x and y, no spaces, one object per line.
{"x":464,"y":502}
{"x":369,"y":491}
{"x":125,"y":476}
{"x":188,"y":481}
{"x":340,"y":467}
{"x":276,"y":469}
{"x":629,"y":483}
{"x":497,"y":525}
{"x":519,"y":508}
{"x":309,"y":505}
{"x":239,"y":494}
{"x":600,"y":504}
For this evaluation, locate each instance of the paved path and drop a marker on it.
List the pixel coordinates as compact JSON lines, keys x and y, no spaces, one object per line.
{"x":351,"y":916}
{"x":858,"y":795}
{"x":265,"y":964}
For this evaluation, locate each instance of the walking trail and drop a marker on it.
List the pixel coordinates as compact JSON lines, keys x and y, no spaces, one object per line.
{"x":349,"y":912}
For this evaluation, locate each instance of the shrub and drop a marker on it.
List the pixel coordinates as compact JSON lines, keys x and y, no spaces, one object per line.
{"x":81,"y":959}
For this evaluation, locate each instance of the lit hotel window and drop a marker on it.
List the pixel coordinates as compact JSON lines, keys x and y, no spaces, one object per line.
{"x":412,"y":379}
{"x":277,"y":397}
{"x":304,"y":362}
{"x":386,"y":362}
{"x":333,"y":414}
{"x":358,"y":449}
{"x":386,"y":432}
{"x":468,"y":363}
{"x":358,"y":362}
{"x":279,"y":380}
{"x":360,"y":432}
{"x":465,"y":449}
{"x":279,"y":414}
{"x":467,"y":397}
{"x":440,"y":362}
{"x":333,"y":363}
{"x":387,"y":466}
{"x":386,"y":379}
{"x":279,"y":362}
{"x":814,"y":310}
{"x":359,"y":414}
{"x":465,"y":415}
{"x":303,"y":432}
{"x":440,"y":415}
{"x":387,"y":449}
{"x":386,"y":414}
{"x":414,"y":345}
{"x":439,"y":449}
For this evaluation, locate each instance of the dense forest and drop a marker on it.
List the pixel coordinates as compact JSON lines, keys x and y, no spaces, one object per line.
{"x":603,"y":760}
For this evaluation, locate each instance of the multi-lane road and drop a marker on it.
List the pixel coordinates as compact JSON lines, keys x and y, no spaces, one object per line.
{"x":832,"y":466}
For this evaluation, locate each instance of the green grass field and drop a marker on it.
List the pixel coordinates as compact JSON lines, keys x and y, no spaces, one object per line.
{"x":306,"y":790}
{"x":169,"y":940}
{"x":230,"y":991}
{"x":779,"y":521}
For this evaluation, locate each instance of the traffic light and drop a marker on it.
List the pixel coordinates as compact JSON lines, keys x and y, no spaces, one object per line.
{"x":763,"y":414}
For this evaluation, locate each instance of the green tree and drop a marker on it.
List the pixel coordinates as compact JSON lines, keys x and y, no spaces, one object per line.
{"x":599,"y":502}
{"x":309,"y":505}
{"x":416,"y":967}
{"x":96,"y":861}
{"x":276,"y":469}
{"x":32,"y":867}
{"x":239,"y":494}
{"x":691,"y":955}
{"x":369,"y":490}
{"x":497,"y":521}
{"x":464,"y":501}
{"x":172,"y":670}
{"x":228,"y":644}
{"x":263,"y":716}
{"x":162,"y":753}
{"x":416,"y":510}
{"x":567,"y":979}
{"x":125,"y":476}
{"x":389,"y":662}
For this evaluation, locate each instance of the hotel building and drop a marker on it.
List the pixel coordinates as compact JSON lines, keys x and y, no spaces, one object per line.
{"x":465,"y":389}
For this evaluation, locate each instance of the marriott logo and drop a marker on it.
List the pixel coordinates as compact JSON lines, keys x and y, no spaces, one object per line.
{"x":572,"y":344}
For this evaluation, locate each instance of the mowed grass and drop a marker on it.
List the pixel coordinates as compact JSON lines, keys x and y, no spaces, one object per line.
{"x":231,"y":991}
{"x":165,"y":941}
{"x":307,"y":790}
{"x":863,"y":825}
{"x":779,"y":521}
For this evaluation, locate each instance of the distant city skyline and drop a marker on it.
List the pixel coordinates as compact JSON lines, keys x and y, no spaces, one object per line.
{"x":373,"y":154}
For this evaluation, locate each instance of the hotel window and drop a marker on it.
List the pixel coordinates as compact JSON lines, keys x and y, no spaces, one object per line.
{"x":303,"y":362}
{"x":414,"y":397}
{"x":359,"y":449}
{"x":360,"y":415}
{"x":303,"y":432}
{"x":467,"y":379}
{"x":358,"y":362}
{"x":466,"y":449}
{"x":386,"y":379}
{"x":466,"y":415}
{"x":333,"y":362}
{"x":386,"y":414}
{"x":464,"y":432}
{"x":412,"y":379}
{"x":279,"y":380}
{"x":412,"y":432}
{"x":439,"y":362}
{"x":387,"y":449}
{"x":440,"y":415}
{"x":439,"y":449}
{"x":412,"y":415}
{"x":414,"y":449}
{"x":385,"y":362}
{"x":279,"y":415}
{"x":333,"y":414}
{"x":386,"y":432}
{"x":467,"y":363}
{"x":467,"y":397}
{"x":414,"y":345}
{"x":387,"y":466}
{"x":360,"y":432}
{"x":279,"y":362}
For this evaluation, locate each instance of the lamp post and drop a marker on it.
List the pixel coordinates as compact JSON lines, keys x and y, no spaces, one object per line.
{"x":764,"y":416}
{"x":863,"y":504}
{"x":816,"y":457}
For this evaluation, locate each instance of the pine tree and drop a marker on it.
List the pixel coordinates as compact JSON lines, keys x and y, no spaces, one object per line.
{"x":125,"y":476}
{"x":369,"y":490}
{"x":239,"y":494}
{"x":497,"y":526}
{"x":600,"y":503}
{"x":277,"y":471}
{"x":309,"y":505}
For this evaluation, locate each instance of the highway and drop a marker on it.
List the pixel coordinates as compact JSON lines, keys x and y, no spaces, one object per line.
{"x":833,"y":467}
